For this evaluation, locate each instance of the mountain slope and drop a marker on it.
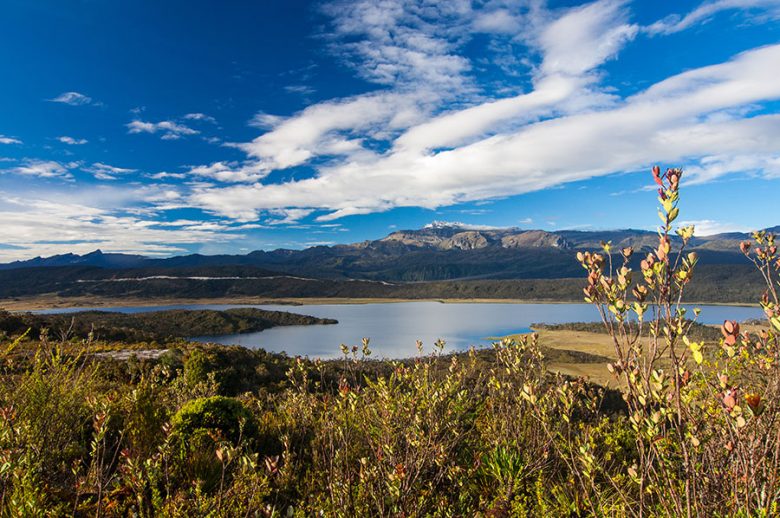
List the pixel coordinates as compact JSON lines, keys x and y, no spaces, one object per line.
{"x":440,"y":251}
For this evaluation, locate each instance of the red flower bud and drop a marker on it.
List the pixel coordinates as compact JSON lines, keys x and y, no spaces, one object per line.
{"x":729,"y":327}
{"x":657,"y":175}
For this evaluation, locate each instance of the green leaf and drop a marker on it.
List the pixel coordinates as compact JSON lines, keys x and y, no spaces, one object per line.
{"x":775,"y":322}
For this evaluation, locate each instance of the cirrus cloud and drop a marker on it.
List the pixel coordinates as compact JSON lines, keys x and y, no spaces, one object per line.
{"x":74,"y":99}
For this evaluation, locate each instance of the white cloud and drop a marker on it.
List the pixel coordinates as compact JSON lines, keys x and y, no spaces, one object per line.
{"x":288,"y":216}
{"x":585,"y":37}
{"x":314,"y":131}
{"x":43,"y":227}
{"x":457,"y":127}
{"x":577,"y":41}
{"x":9,"y":140}
{"x":265,"y":121}
{"x":669,"y":122}
{"x":73,"y":99}
{"x":231,"y":172}
{"x":200,"y":117}
{"x":103,"y":171}
{"x":431,"y":134}
{"x":170,"y":130}
{"x":498,"y":21}
{"x":400,"y":43}
{"x":459,"y":224}
{"x":41,"y":169}
{"x":72,"y":141}
{"x":712,"y":167}
{"x":162,"y":175}
{"x":303,"y":90}
{"x":708,"y":227}
{"x":767,"y":9}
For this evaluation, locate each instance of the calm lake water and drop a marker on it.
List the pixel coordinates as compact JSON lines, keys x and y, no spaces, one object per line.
{"x":394,"y":327}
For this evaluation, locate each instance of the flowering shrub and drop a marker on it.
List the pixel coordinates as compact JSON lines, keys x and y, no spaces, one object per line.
{"x":704,"y":440}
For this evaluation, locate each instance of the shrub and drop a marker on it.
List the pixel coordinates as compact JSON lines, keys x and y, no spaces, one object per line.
{"x":235,"y":369}
{"x":225,"y":416}
{"x":202,"y":430}
{"x":704,"y":417}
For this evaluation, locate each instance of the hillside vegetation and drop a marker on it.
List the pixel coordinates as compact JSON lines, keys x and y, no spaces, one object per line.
{"x":154,"y":325}
{"x":715,"y":283}
{"x":443,"y":260}
{"x":215,"y":431}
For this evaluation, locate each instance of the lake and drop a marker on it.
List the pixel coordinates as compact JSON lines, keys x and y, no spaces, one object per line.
{"x":394,"y":328}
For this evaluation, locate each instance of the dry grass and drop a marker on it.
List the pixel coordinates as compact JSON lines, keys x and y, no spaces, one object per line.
{"x":599,"y":344}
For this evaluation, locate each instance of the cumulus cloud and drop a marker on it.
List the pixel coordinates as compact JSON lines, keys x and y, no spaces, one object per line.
{"x":74,"y":99}
{"x":72,"y":141}
{"x":169,"y":130}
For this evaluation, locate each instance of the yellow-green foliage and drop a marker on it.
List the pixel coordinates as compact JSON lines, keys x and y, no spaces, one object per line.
{"x":220,"y":432}
{"x":225,"y":417}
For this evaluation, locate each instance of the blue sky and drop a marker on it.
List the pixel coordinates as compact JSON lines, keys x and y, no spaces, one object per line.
{"x":172,"y":127}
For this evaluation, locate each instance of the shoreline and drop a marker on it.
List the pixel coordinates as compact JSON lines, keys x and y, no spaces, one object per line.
{"x":54,"y":302}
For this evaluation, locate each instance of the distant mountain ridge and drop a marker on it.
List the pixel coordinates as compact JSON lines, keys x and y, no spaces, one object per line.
{"x":95,"y":258}
{"x":439,"y":251}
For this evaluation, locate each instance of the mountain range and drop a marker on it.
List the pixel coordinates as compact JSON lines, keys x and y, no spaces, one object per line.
{"x":441,"y":250}
{"x":465,"y":261}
